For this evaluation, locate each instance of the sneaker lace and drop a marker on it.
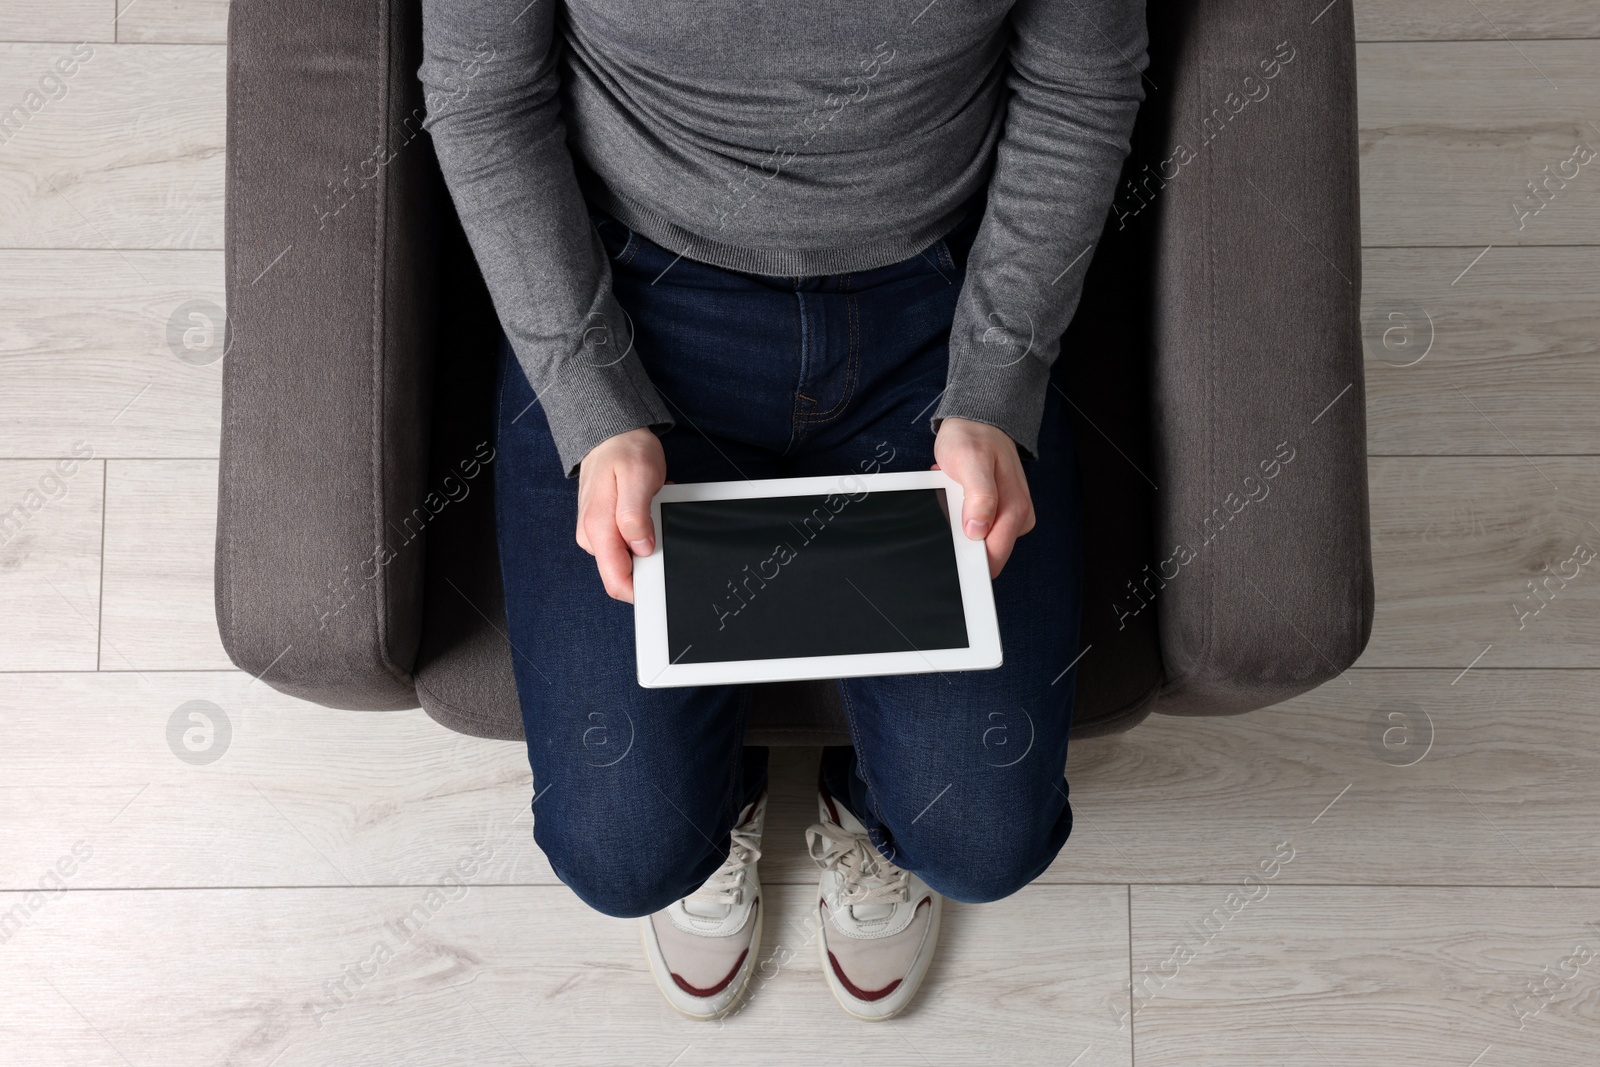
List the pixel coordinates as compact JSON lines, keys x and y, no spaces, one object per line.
{"x":867,"y":877}
{"x":726,"y":885}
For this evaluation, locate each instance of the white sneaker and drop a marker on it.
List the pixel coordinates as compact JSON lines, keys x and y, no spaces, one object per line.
{"x":879,"y":924}
{"x":702,"y":950}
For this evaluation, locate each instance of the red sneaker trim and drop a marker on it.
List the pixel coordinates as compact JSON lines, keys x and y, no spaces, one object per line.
{"x":696,"y":991}
{"x":855,"y":990}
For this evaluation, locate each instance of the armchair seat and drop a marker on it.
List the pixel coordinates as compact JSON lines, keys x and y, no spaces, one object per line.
{"x":1214,"y":373}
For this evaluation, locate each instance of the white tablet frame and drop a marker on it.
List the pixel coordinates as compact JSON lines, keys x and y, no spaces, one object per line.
{"x":972,"y":566}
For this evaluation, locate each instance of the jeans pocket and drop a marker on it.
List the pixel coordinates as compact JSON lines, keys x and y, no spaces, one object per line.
{"x":618,"y":240}
{"x":957,"y":244}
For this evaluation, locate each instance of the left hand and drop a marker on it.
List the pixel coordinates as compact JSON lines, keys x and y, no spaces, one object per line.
{"x":998,"y":508}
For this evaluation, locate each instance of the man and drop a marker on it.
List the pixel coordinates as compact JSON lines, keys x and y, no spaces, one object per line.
{"x":731,"y":240}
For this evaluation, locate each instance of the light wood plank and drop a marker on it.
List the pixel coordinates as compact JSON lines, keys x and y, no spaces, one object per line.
{"x":1455,"y":542}
{"x":1518,"y":331}
{"x":1479,"y":20}
{"x":1490,"y":780}
{"x":56,"y":20}
{"x":160,"y":543}
{"x":126,"y":337}
{"x":181,"y":21}
{"x":522,"y":976}
{"x":294,"y":794}
{"x":1305,"y":977}
{"x":50,"y":562}
{"x":129,"y":157}
{"x":303,"y":795}
{"x":1452,"y":132}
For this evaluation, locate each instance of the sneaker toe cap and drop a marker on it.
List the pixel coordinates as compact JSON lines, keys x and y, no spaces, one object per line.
{"x":700,"y":966}
{"x":872,"y":968}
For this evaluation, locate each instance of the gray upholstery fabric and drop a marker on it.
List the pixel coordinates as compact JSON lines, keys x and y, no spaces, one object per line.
{"x":1213,"y":327}
{"x":1257,"y":262}
{"x":330,"y":345}
{"x":464,"y":664}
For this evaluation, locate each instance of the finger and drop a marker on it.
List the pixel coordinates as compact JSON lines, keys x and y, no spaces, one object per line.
{"x":980,"y":496}
{"x":616,"y":565}
{"x":635,"y":487}
{"x":582,"y":535}
{"x":588,"y":479}
{"x":610,"y":553}
{"x":998,"y":545}
{"x":1015,"y":518}
{"x":1018,"y":499}
{"x":1012,"y":523}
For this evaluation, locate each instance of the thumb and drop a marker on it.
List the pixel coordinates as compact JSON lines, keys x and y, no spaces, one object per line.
{"x":980,"y":497}
{"x":635,"y":488}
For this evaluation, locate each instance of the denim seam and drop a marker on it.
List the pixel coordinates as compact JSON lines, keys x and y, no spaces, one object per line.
{"x":852,"y":368}
{"x":797,"y":423}
{"x":629,"y":250}
{"x":630,"y":247}
{"x":861,"y":764}
{"x":500,"y":395}
{"x":735,"y":802}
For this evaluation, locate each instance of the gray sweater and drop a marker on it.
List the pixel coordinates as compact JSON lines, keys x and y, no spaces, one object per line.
{"x":786,"y":138}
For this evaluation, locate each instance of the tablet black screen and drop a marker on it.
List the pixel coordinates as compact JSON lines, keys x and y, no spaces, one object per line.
{"x":840,"y":574}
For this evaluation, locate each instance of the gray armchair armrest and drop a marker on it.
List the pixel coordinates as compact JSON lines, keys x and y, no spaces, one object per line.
{"x":332,"y":194}
{"x":1263,"y":578}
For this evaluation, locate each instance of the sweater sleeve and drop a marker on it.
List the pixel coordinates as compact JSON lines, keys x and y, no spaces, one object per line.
{"x":492,"y":94}
{"x":1076,"y":68}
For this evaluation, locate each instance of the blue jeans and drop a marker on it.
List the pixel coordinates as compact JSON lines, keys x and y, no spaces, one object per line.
{"x":957,"y":776}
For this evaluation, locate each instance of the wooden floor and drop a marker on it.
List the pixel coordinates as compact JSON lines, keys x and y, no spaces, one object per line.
{"x":1436,"y":899}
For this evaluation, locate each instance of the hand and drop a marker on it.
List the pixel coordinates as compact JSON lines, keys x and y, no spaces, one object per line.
{"x":615,"y":484}
{"x":984,"y":460}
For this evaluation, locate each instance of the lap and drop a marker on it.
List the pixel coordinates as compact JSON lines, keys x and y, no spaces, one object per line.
{"x":989,"y":739}
{"x":602,"y":745}
{"x":942,"y":752}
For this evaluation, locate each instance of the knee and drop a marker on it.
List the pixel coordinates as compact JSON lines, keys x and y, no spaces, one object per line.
{"x":975,"y":856}
{"x":978,"y":875}
{"x":625,"y":872}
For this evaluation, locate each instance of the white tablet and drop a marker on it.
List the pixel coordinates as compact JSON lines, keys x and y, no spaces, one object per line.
{"x":790,"y":578}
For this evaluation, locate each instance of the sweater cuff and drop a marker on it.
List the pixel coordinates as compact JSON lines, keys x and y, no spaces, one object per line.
{"x":989,"y":384}
{"x":587,"y":403}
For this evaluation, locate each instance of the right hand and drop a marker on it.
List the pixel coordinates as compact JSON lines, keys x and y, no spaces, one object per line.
{"x":616,"y":482}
